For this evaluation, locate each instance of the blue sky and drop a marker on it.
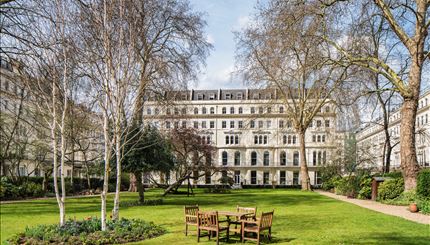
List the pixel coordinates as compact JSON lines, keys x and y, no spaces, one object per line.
{"x":223,"y":17}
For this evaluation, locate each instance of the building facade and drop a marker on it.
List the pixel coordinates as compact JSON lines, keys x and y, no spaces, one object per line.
{"x":371,"y":139}
{"x":251,"y":132}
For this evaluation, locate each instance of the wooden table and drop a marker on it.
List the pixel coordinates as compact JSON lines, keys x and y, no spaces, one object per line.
{"x":229,"y":214}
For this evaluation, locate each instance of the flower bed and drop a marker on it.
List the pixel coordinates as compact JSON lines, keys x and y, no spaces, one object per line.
{"x":88,"y":231}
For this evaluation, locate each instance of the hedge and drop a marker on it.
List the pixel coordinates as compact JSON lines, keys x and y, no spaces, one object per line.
{"x":423,"y":183}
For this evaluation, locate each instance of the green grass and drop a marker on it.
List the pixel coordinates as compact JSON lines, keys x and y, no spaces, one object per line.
{"x":300,"y":217}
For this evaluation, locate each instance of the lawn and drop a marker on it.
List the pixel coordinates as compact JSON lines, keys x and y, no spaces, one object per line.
{"x":300,"y":217}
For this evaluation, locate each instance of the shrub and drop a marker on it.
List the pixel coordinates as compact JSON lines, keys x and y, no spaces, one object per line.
{"x":424,"y":206}
{"x":151,"y":202}
{"x":89,"y":231}
{"x":423,"y":183}
{"x":404,"y":199}
{"x":390,"y":189}
{"x":365,"y":191}
{"x":329,"y":184}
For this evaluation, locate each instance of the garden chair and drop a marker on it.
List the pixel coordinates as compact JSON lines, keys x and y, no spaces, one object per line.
{"x":257,"y":226}
{"x":208,"y":221}
{"x":190,"y":216}
{"x":238,"y":222}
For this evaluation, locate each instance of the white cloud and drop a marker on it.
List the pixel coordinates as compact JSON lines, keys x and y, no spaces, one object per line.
{"x":242,"y":22}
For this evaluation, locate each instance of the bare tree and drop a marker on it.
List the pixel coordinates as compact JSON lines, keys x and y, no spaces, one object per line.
{"x":406,"y":24}
{"x":279,"y":51}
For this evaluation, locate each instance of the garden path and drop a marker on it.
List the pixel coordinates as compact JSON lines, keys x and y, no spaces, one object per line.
{"x":400,"y":211}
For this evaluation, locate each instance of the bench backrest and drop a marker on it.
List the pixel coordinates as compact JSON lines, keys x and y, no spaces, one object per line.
{"x":266,"y":220}
{"x":246,"y":210}
{"x":207,"y":219}
{"x":191,"y":213}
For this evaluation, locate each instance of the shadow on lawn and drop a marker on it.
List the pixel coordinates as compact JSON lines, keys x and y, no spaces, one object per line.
{"x":392,"y":238}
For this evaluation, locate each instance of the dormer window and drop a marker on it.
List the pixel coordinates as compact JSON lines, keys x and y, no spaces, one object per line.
{"x":256,"y":96}
{"x":184,"y":97}
{"x":200,"y":96}
{"x":211,"y":96}
{"x":268,"y":96}
{"x":239,"y":96}
{"x":228,"y":96}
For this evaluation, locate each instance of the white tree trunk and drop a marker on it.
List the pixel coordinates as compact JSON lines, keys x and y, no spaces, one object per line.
{"x":107,"y":160}
{"x":115,"y":211}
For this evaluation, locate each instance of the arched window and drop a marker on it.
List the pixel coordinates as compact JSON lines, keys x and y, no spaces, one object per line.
{"x":255,"y":139}
{"x":260,"y":110}
{"x":231,"y":110}
{"x":296,"y":158}
{"x":231,"y":139}
{"x":224,"y":158}
{"x":204,"y":110}
{"x":227,"y":140}
{"x":157,"y":111}
{"x":224,"y":110}
{"x":253,"y":158}
{"x":212,"y":110}
{"x":168,"y":111}
{"x":324,"y":157}
{"x":265,"y":139}
{"x":236,"y":139}
{"x":236,"y":158}
{"x":269,"y":109}
{"x":281,"y":109}
{"x":283,"y":158}
{"x":148,"y":111}
{"x":319,"y":158}
{"x":240,"y":110}
{"x":327,"y":109}
{"x":294,"y":139}
{"x":266,"y":158}
{"x":284,"y":139}
{"x":252,"y":110}
{"x":289,"y":139}
{"x":319,"y":138}
{"x":184,"y":111}
{"x":314,"y":158}
{"x":196,"y":110}
{"x":260,"y":139}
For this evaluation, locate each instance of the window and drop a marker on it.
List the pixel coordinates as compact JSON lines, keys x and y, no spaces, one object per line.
{"x":256,"y":96}
{"x":288,"y":124}
{"x":208,"y":139}
{"x":318,"y":123}
{"x":252,"y":110}
{"x":260,"y":110}
{"x":284,"y":139}
{"x":207,"y":178}
{"x":282,"y":178}
{"x":266,"y":158}
{"x":168,"y":111}
{"x":168,"y":124}
{"x":253,"y":158}
{"x":236,"y":158}
{"x":228,"y":96}
{"x":266,"y":178}
{"x":311,"y":124}
{"x":212,"y":124}
{"x":319,"y":158}
{"x":252,"y":124}
{"x":211,"y":96}
{"x":324,"y":157}
{"x":260,"y":124}
{"x":281,"y":124}
{"x":314,"y":158}
{"x":196,"y":110}
{"x":236,"y":139}
{"x":196,"y":125}
{"x":283,"y":158}
{"x":224,"y":124}
{"x":239,"y":96}
{"x":318,"y":179}
{"x":240,"y":124}
{"x":281,"y":109}
{"x":204,"y":110}
{"x":212,"y":110}
{"x":224,"y":110}
{"x":200,"y":96}
{"x":227,"y":140}
{"x":269,"y":109}
{"x":224,"y":158}
{"x":240,"y":110}
{"x":176,"y":110}
{"x":237,"y":177}
{"x":268,"y":124}
{"x":253,"y":177}
{"x":294,"y":139}
{"x":148,"y":111}
{"x":327,"y":109}
{"x":184,"y":124}
{"x":295,"y":178}
{"x":323,"y":138}
{"x":327,"y":123}
{"x":314,"y":138}
{"x":204,"y":124}
{"x":184,"y":111}
{"x":231,"y":110}
{"x":296,"y":158}
{"x":231,"y":124}
{"x":265,"y":139}
{"x":319,"y":138}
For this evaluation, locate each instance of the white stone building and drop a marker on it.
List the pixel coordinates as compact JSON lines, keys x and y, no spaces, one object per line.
{"x":371,"y":139}
{"x":253,"y":137}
